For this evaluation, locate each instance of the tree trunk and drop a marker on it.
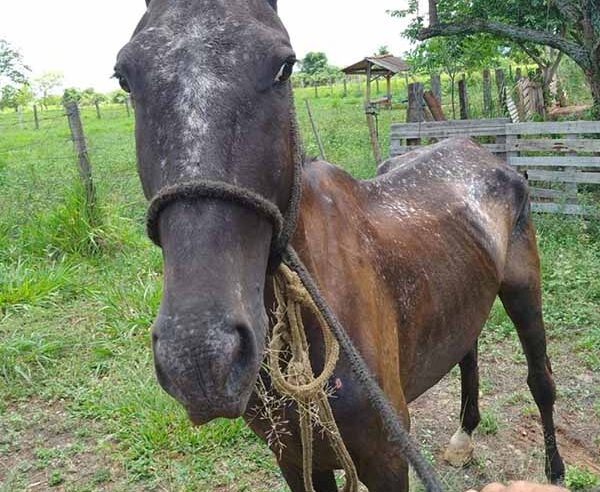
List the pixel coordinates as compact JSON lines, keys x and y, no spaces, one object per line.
{"x":453,"y":97}
{"x":595,"y":85}
{"x":433,"y":14}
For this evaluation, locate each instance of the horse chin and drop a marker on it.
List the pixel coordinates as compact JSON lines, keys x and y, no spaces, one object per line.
{"x":230,"y":410}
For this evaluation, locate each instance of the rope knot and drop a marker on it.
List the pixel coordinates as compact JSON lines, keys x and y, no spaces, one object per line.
{"x":298,"y":381}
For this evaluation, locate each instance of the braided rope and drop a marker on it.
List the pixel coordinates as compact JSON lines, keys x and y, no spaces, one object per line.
{"x":299,"y":383}
{"x":396,"y":432}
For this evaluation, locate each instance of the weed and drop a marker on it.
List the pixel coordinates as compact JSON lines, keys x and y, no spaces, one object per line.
{"x":580,"y":479}
{"x":488,"y":425}
{"x":55,"y":479}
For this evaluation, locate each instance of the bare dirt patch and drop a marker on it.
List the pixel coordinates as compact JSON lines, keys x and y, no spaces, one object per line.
{"x":43,"y":448}
{"x":515,"y":450}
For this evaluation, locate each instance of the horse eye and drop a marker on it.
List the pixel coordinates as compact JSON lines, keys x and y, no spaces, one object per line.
{"x":122,"y":82}
{"x":285,"y":72}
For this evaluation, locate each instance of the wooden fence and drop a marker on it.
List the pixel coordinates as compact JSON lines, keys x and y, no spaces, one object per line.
{"x":557,"y":157}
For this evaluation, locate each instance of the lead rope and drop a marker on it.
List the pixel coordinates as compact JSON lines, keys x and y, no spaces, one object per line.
{"x":391,"y":422}
{"x":297,"y":382}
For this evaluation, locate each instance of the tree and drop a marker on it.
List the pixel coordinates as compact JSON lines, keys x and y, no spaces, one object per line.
{"x":71,"y":95}
{"x":383,"y":50}
{"x":118,"y":97}
{"x":12,"y":68}
{"x":571,"y":27}
{"x":314,"y":63}
{"x":452,"y":56}
{"x":90,"y":97}
{"x":316,"y":70}
{"x":13,"y":98}
{"x":47,"y":83}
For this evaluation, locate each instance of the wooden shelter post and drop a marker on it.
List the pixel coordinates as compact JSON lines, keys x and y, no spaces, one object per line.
{"x":371,"y":119}
{"x":388,"y":79}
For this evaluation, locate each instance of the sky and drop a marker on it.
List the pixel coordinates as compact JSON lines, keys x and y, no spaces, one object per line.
{"x":81,"y":38}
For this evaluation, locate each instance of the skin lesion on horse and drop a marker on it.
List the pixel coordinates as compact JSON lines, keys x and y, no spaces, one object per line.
{"x":411,"y":261}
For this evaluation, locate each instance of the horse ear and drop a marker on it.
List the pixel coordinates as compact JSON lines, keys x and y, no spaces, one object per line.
{"x":147,"y":3}
{"x":273,"y":3}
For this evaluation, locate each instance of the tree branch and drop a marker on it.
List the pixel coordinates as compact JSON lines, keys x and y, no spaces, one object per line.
{"x":551,"y":72}
{"x":520,"y":34}
{"x":531,"y":54}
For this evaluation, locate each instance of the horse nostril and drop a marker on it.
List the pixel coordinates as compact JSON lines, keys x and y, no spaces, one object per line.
{"x":245,"y":348}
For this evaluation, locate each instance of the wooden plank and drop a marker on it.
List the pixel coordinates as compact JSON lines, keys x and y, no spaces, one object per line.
{"x":500,"y":122}
{"x":549,"y":161}
{"x":558,"y":208}
{"x":553,"y":127}
{"x":564,"y":177}
{"x":397,"y":149}
{"x":401,"y":133}
{"x":554,"y":145}
{"x":571,"y":188}
{"x":550,"y":194}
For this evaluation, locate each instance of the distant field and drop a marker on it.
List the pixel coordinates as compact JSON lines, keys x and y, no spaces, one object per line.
{"x":79,"y":406}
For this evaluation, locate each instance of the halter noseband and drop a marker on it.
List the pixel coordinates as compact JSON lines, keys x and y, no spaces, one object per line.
{"x":283,"y":227}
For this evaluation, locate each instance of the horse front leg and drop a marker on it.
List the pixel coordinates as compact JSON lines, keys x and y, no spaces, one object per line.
{"x":460,"y":449}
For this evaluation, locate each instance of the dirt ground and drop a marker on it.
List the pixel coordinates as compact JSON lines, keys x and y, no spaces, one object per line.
{"x":39,"y":438}
{"x":515,"y":450}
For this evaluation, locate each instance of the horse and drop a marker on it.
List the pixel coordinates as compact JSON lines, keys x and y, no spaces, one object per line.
{"x":411,"y":261}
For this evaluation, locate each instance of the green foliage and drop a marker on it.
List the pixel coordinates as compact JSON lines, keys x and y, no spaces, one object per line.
{"x":580,"y":479}
{"x":12,"y":68}
{"x":14,"y":98}
{"x":90,"y":97}
{"x":69,"y":229}
{"x":47,"y":83}
{"x":314,"y":63}
{"x":55,"y":479}
{"x":32,"y":283}
{"x":488,"y":425}
{"x":117,"y":97}
{"x":315,"y":69}
{"x":70,"y":95}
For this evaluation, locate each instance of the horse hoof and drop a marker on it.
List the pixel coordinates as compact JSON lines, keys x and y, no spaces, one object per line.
{"x":460,"y":450}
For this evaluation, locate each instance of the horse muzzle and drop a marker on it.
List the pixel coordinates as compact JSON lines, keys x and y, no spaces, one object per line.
{"x":210,"y":369}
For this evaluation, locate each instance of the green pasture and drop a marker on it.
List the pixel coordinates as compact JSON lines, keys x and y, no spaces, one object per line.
{"x":78,"y":294}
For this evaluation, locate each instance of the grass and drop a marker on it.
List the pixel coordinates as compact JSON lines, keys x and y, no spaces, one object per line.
{"x":78,"y":293}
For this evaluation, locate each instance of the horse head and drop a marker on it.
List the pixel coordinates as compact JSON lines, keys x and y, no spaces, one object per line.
{"x":210,"y":82}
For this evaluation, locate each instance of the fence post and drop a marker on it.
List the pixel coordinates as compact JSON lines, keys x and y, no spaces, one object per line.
{"x":487,"y":93}
{"x":345,"y":86}
{"x":434,"y":106}
{"x":85,"y":170}
{"x":463,"y":98}
{"x":518,"y":74}
{"x":500,"y":86}
{"x":36,"y":118}
{"x":370,"y":113}
{"x":436,"y":86}
{"x":315,"y":130}
{"x":97,"y":104}
{"x":415,"y":113}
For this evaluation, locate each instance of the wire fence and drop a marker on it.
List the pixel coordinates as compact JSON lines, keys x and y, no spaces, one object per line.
{"x":39,"y":162}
